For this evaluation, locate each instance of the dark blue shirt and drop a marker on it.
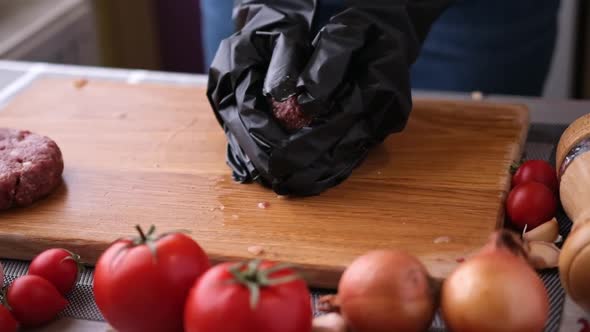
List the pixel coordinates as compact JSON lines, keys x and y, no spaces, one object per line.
{"x":495,"y":46}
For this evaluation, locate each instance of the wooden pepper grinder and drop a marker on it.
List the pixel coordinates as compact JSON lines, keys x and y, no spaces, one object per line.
{"x":573,"y":171}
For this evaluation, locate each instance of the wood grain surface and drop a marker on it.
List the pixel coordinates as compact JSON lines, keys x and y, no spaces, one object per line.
{"x":148,"y":154}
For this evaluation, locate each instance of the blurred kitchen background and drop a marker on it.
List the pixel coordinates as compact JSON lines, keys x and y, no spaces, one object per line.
{"x":165,"y":35}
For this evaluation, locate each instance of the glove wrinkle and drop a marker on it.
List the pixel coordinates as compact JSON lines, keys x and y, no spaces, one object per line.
{"x":352,"y":78}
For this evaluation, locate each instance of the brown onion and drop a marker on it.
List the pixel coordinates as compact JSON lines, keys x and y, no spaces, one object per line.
{"x":386,"y":291}
{"x":497,"y":290}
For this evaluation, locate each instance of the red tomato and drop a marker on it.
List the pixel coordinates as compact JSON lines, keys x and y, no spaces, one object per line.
{"x":59,"y":266}
{"x":142,"y":284}
{"x":239,"y":298}
{"x":34,"y":300}
{"x":7,"y":321}
{"x":531,"y":204}
{"x":536,"y":171}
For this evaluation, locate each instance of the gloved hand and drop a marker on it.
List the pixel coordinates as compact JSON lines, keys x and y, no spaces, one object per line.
{"x":350,"y":87}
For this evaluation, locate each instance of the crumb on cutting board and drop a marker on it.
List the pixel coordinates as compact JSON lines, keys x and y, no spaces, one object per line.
{"x":477,"y":95}
{"x":80,"y":83}
{"x":442,"y":239}
{"x":256,"y":250}
{"x":263,"y":205}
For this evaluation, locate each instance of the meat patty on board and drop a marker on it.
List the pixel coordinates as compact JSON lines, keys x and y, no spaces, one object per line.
{"x":31,"y":167}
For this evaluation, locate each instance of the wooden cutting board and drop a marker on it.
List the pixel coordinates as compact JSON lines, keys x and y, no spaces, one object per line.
{"x":147,"y":154}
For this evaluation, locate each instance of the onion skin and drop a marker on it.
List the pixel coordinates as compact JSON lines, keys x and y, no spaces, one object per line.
{"x":507,"y":241}
{"x":494,"y":291}
{"x":385,"y":291}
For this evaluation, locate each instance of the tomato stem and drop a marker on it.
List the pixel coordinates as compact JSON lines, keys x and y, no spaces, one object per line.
{"x":141,"y":233}
{"x":148,"y":239}
{"x":515,"y":166}
{"x":254,"y":277}
{"x":78,"y":260}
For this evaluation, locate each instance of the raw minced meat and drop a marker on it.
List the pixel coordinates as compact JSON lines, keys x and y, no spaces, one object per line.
{"x":289,"y":114}
{"x":31,"y":167}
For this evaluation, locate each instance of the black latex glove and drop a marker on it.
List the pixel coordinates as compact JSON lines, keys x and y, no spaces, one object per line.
{"x":353,"y":80}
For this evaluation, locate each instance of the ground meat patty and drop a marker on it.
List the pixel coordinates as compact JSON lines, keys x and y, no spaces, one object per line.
{"x":30,"y":167}
{"x":289,"y":114}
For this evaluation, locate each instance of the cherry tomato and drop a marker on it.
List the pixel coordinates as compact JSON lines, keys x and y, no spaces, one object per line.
{"x":531,"y":204}
{"x":34,"y":300}
{"x":58,"y":266}
{"x":536,"y":171}
{"x":141,"y":285}
{"x":7,"y":321}
{"x":245,"y":297}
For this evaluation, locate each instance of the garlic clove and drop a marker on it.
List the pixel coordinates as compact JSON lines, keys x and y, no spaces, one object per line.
{"x":332,"y":322}
{"x":329,"y":303}
{"x":559,"y":239}
{"x":542,"y":255}
{"x":547,"y":232}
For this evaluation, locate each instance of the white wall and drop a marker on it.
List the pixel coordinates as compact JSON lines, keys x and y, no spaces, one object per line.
{"x":59,"y":31}
{"x":559,"y":83}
